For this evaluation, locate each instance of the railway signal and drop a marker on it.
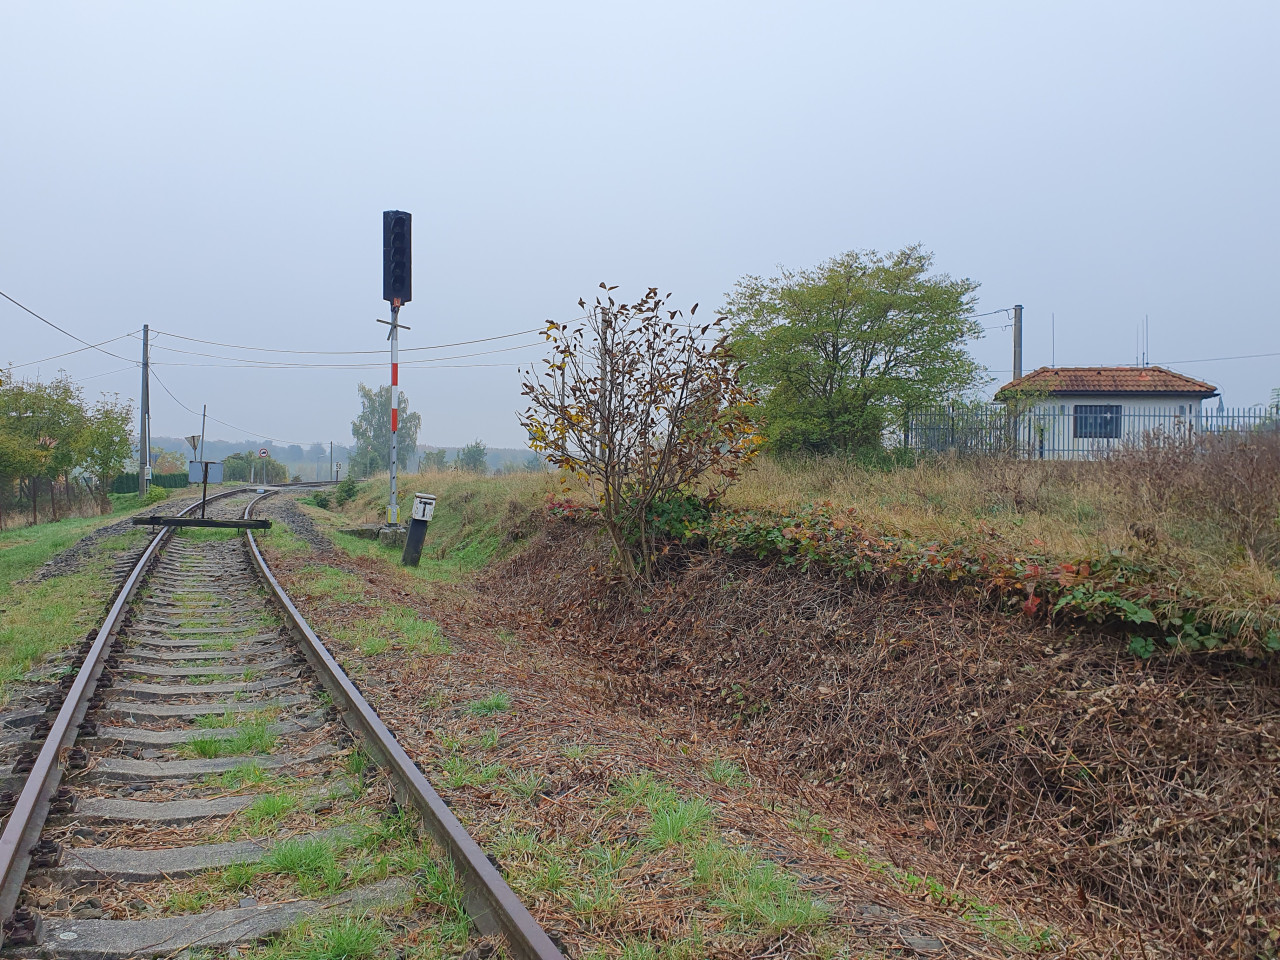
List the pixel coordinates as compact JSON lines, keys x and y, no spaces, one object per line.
{"x":397,"y":257}
{"x":397,"y":289}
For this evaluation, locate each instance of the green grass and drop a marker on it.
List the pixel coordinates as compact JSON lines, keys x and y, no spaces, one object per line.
{"x":242,"y":775}
{"x":323,"y":581}
{"x":641,"y":789}
{"x":462,"y":771}
{"x":331,"y":938}
{"x":477,"y":519}
{"x":726,"y":772}
{"x":756,"y":893}
{"x":249,"y":737}
{"x":487,"y":706}
{"x":183,"y":901}
{"x":37,"y":620}
{"x":267,"y":809}
{"x":674,"y":823}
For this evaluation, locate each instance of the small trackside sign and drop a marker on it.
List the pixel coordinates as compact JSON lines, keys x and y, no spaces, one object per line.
{"x":424,"y":505}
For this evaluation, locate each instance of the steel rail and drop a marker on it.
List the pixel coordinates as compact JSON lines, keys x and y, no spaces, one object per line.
{"x":491,"y":904}
{"x":26,"y":821}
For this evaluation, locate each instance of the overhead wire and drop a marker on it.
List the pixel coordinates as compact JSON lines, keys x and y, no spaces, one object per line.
{"x":59,"y":356}
{"x":67,"y":333}
{"x":244,"y":362}
{"x":341,"y":353}
{"x":248,"y":433}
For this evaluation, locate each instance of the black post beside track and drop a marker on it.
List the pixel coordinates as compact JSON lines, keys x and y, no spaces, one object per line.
{"x":32,"y":807}
{"x":491,"y":904}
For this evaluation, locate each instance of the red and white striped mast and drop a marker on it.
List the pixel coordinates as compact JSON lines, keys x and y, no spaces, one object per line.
{"x":397,"y":288}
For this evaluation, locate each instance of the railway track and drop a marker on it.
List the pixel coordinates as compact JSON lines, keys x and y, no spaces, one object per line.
{"x":210,"y":777}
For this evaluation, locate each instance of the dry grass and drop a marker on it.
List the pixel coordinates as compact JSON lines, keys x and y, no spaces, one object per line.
{"x":1134,"y":798}
{"x":1205,"y":517}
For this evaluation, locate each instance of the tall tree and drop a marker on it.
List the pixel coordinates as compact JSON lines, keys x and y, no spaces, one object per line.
{"x":372,"y":430}
{"x":437,"y":459}
{"x":473,"y":458}
{"x":836,"y":348}
{"x":106,"y":445}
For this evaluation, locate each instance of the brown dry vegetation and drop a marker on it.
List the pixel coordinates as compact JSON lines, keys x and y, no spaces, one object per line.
{"x":1210,"y":513}
{"x":1135,"y":797}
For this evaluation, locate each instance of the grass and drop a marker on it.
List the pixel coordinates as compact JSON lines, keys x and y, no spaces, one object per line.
{"x":241,"y":775}
{"x":726,"y":773}
{"x":330,"y":583}
{"x":37,"y":620}
{"x":674,"y":823}
{"x":753,"y":891}
{"x":333,"y":938}
{"x":249,"y":737}
{"x":399,"y":625}
{"x":487,"y":706}
{"x":1066,"y":510}
{"x":267,"y":809}
{"x":477,"y":519}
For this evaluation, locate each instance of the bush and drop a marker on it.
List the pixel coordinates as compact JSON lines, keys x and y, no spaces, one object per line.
{"x":322,"y":500}
{"x":155,"y":494}
{"x":345,"y":492}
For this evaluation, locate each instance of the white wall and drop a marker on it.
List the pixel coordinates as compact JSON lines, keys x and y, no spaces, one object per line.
{"x":1050,"y":430}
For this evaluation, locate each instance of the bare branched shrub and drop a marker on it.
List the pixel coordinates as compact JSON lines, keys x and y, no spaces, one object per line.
{"x":1230,"y":481}
{"x":644,"y":410}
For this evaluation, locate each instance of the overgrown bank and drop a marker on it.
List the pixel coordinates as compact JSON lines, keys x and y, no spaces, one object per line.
{"x":1135,"y":795}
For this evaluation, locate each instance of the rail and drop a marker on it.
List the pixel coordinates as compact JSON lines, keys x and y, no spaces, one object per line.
{"x":491,"y":904}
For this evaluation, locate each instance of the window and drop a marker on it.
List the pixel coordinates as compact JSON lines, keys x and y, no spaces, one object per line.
{"x":1096,"y":421}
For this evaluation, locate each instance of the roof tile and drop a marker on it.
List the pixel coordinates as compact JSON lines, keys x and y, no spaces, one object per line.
{"x":1108,"y":380}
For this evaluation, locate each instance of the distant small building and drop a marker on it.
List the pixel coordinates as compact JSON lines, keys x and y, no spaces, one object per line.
{"x":1070,"y":412}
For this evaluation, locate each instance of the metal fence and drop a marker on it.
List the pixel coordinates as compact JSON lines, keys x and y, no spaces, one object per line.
{"x":1071,"y":431}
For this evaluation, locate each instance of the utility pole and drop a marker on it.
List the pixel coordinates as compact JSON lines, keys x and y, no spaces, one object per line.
{"x":144,"y":413}
{"x":330,"y":459}
{"x":204,"y":411}
{"x":1017,"y":340}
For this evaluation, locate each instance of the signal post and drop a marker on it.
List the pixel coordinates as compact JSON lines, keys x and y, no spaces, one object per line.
{"x":397,"y":289}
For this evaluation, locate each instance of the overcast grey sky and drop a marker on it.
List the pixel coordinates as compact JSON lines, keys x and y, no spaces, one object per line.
{"x":218,"y":170}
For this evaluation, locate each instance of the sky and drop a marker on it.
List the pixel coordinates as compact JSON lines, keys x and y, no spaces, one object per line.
{"x":219,"y":171}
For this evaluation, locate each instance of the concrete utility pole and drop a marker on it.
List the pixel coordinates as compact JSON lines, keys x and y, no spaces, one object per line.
{"x":144,"y":413}
{"x":330,"y":459}
{"x":1017,"y":340}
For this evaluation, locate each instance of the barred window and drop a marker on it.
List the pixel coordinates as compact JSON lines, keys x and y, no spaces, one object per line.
{"x":1096,"y":421}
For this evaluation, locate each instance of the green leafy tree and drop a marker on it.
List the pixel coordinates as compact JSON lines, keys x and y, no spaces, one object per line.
{"x":45,"y":421}
{"x":834,"y":350}
{"x":241,"y":466}
{"x":473,"y":458}
{"x":106,"y":445}
{"x":372,"y":431}
{"x":434,"y":460}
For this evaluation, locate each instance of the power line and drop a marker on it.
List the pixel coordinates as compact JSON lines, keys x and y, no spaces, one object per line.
{"x":1243,"y":356}
{"x":248,"y":433}
{"x":243,"y":362}
{"x":341,"y":353}
{"x":88,"y":345}
{"x":59,"y":356}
